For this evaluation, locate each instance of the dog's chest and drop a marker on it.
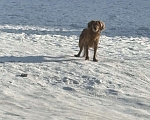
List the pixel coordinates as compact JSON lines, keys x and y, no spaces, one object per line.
{"x":94,"y":38}
{"x":93,"y":41}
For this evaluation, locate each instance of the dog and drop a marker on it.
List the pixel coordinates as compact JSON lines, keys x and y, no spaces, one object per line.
{"x":89,"y":38}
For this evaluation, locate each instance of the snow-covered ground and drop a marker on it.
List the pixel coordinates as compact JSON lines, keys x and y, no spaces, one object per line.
{"x":40,"y":38}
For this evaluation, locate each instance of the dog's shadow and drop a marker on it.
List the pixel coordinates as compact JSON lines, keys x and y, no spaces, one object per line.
{"x":35,"y":59}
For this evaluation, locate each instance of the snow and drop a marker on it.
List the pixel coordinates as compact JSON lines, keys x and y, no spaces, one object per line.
{"x":40,"y":38}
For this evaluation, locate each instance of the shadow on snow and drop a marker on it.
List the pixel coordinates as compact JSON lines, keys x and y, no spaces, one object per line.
{"x":35,"y":59}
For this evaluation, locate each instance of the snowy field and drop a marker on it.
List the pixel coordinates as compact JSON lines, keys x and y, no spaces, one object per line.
{"x":40,"y":37}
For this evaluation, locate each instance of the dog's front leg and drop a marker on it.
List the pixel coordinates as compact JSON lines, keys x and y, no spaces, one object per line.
{"x":95,"y":50}
{"x":86,"y":47}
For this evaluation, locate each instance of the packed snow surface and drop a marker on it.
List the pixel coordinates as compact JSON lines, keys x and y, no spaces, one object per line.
{"x":39,"y":38}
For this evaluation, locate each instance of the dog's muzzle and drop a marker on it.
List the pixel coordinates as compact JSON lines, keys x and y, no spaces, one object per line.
{"x":95,"y":29}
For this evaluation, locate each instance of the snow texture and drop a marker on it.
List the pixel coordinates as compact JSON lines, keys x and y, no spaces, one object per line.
{"x":42,"y":80}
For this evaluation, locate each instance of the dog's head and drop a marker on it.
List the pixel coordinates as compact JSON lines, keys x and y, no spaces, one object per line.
{"x":96,"y":26}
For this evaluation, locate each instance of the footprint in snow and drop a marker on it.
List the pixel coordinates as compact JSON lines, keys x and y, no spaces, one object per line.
{"x":112,"y":92}
{"x":69,"y":89}
{"x":70,"y":81}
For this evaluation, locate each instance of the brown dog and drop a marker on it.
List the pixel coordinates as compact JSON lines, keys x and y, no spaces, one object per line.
{"x":90,"y":38}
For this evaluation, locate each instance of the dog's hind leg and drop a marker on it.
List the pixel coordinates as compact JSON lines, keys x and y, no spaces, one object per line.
{"x":86,"y":48}
{"x":83,"y":52}
{"x":78,"y":55}
{"x":95,"y":50}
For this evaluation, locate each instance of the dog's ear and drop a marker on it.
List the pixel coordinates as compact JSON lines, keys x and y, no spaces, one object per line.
{"x":90,"y":24}
{"x":102,"y":25}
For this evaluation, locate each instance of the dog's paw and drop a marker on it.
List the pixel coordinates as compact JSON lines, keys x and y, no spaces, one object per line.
{"x":77,"y":55}
{"x":95,"y":60}
{"x":87,"y":58}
